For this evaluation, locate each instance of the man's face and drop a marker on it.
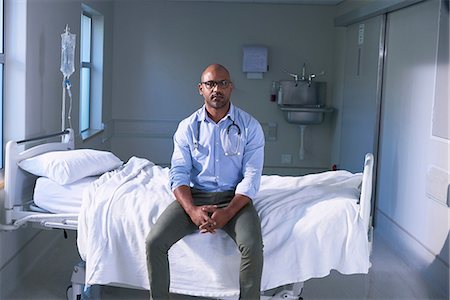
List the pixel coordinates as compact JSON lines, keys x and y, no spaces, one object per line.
{"x":216,"y":88}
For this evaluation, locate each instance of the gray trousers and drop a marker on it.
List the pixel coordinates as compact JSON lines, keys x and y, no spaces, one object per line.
{"x":173,"y":224}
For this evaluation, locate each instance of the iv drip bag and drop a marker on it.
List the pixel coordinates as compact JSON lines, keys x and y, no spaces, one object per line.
{"x":67,"y":53}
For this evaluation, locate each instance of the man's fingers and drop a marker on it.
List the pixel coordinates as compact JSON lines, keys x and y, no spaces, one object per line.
{"x":207,"y":220}
{"x":209,"y":208}
{"x":208,"y":229}
{"x":209,"y":223}
{"x":208,"y":226}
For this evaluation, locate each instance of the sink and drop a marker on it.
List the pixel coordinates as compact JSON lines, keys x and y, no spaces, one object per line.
{"x":305,"y":115}
{"x":302,"y":93}
{"x":303,"y":101}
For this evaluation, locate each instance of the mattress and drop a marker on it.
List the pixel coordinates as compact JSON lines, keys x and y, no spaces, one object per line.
{"x":57,"y":198}
{"x":310,"y":225}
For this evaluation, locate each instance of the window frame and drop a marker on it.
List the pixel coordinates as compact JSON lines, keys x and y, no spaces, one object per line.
{"x":94,"y":113}
{"x":85,"y":112}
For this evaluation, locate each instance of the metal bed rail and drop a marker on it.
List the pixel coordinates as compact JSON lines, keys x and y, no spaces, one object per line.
{"x":19,"y":185}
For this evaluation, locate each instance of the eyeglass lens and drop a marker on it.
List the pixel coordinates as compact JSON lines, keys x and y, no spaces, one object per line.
{"x":212,"y":84}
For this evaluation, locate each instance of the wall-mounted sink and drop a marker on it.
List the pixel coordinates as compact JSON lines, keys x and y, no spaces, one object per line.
{"x":302,"y":92}
{"x":305,"y":115}
{"x":303,"y":101}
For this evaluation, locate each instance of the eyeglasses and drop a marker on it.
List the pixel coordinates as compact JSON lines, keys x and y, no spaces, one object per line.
{"x":223,"y":84}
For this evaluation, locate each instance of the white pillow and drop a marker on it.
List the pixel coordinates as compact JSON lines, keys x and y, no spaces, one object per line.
{"x":69,"y":166}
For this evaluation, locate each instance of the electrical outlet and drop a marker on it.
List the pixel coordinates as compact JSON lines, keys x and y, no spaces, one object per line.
{"x":286,"y":158}
{"x":272,"y":134}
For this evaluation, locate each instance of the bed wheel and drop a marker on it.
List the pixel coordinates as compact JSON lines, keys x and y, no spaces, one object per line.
{"x":281,"y":296}
{"x":288,"y":296}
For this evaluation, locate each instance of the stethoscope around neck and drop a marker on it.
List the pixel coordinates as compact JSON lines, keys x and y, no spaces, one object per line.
{"x":227,"y":142}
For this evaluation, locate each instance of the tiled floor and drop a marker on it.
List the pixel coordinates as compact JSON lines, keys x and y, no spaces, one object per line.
{"x":389,"y":278}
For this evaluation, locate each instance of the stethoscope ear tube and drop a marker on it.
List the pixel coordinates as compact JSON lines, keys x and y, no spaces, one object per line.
{"x":197,"y":137}
{"x":235,"y":125}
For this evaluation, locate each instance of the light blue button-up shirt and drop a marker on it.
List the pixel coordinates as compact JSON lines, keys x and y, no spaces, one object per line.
{"x":202,"y":158}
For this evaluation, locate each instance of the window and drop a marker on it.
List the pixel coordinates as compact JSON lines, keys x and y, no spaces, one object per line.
{"x":2,"y":62}
{"x":91,"y":72}
{"x":85,"y":82}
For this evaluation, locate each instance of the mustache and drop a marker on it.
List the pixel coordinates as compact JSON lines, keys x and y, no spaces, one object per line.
{"x":217,"y":95}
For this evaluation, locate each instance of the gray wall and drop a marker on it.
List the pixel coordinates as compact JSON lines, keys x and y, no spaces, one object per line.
{"x":161,"y":47}
{"x":32,"y":95}
{"x":33,"y":85}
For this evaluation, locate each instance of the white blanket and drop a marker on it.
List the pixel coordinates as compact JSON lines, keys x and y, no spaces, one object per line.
{"x":310,"y":225}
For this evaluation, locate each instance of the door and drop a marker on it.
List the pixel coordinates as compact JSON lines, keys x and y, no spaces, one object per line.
{"x":362,"y":91}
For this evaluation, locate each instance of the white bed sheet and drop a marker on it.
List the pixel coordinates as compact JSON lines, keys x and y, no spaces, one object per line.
{"x":57,"y":198}
{"x":310,"y":225}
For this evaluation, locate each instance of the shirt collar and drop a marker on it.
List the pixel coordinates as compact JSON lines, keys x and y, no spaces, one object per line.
{"x":203,"y":116}
{"x":231,"y":112}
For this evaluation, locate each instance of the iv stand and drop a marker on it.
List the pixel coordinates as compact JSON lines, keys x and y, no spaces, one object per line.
{"x":67,"y":68}
{"x":66,"y":85}
{"x":63,"y":110}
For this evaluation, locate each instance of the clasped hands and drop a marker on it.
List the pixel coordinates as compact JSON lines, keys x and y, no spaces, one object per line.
{"x":208,"y":218}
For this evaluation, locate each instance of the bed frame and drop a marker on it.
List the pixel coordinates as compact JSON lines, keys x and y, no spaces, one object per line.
{"x":18,"y":210}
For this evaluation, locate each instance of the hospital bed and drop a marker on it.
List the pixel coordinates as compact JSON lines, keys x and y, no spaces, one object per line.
{"x":311,"y":224}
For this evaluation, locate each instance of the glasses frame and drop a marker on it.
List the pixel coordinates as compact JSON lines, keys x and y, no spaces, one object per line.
{"x":223,"y":84}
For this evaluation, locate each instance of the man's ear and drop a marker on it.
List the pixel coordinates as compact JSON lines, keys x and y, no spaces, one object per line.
{"x":200,"y":89}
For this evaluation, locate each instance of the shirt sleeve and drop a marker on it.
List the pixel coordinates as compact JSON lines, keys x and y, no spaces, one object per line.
{"x":253,"y":161}
{"x":181,"y":162}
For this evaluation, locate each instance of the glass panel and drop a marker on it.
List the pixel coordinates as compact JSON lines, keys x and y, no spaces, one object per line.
{"x":85,"y":102}
{"x":86,"y":27}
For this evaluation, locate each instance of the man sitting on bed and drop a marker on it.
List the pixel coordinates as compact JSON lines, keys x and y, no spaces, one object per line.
{"x":216,"y":171}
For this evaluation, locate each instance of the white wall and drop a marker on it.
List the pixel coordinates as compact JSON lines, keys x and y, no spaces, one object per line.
{"x":161,"y":47}
{"x":33,"y":92}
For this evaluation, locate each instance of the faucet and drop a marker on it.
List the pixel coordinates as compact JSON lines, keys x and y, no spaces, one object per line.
{"x":295,"y":76}
{"x":312,"y":76}
{"x":303,"y":77}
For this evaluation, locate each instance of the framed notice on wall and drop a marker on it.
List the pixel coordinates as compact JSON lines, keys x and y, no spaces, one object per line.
{"x":255,"y":59}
